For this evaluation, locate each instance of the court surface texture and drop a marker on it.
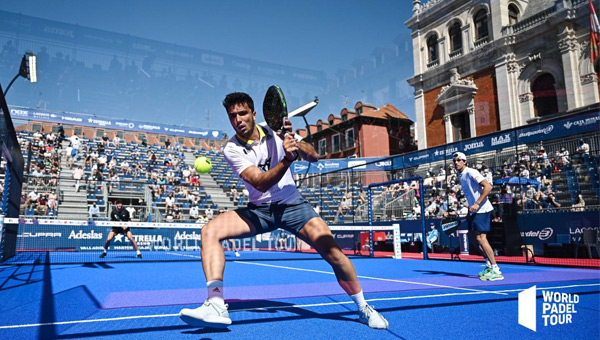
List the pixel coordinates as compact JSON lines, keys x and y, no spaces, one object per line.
{"x":294,"y":296}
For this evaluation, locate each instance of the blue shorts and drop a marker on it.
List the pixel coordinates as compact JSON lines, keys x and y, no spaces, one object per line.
{"x":479,"y":222}
{"x":270,"y":216}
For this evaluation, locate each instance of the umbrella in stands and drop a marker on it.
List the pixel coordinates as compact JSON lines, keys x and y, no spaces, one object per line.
{"x":516,"y":181}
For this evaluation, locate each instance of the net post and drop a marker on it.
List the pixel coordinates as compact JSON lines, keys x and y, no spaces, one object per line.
{"x":397,"y":241}
{"x":424,"y":236}
{"x":371,"y":244}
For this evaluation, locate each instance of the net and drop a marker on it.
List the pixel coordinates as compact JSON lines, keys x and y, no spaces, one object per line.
{"x":68,"y":241}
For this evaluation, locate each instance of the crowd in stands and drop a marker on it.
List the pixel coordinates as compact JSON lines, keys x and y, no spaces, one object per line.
{"x":176,"y":190}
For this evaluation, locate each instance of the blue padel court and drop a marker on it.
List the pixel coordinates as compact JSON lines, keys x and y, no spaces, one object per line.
{"x":274,"y":295}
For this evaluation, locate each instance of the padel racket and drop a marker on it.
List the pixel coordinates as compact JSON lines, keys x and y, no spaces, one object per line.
{"x":450,"y":224}
{"x":274,"y":107}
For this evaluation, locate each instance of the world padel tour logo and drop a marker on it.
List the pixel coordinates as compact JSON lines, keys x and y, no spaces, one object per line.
{"x":557,"y":308}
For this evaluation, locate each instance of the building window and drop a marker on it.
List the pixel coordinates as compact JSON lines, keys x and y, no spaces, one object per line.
{"x":141,"y":136}
{"x":455,"y":38}
{"x":197,"y":142}
{"x":460,"y":126}
{"x":481,"y":25}
{"x":513,"y":14}
{"x":162,"y":139}
{"x":544,"y":95}
{"x":99,"y":133}
{"x":319,"y":128}
{"x":181,"y":140}
{"x":55,"y":129}
{"x":344,"y":117}
{"x":322,"y":147}
{"x":36,"y":127}
{"x":121,"y":134}
{"x":335,"y":143}
{"x":432,"y":49}
{"x":77,"y":131}
{"x":349,"y":142}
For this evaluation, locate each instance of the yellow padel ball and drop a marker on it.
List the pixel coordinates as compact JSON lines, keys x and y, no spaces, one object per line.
{"x":202,"y":165}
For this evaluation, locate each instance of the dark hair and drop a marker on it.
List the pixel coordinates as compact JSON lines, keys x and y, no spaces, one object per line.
{"x":238,"y":98}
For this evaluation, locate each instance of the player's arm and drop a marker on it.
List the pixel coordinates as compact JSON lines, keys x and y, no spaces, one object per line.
{"x":487,"y":188}
{"x":263,"y":181}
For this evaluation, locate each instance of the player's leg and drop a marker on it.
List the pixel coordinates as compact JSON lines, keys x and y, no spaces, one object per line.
{"x":481,"y":225}
{"x":132,"y":240}
{"x":213,"y":313}
{"x":225,"y":226}
{"x":111,"y":235}
{"x":317,"y":234}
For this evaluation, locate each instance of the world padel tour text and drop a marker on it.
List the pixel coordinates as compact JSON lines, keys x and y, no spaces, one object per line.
{"x":558,"y":308}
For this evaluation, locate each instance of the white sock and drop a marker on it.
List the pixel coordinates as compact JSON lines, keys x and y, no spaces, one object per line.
{"x":488,"y":263}
{"x":215,"y":292}
{"x":359,"y":299}
{"x":138,"y":252}
{"x":496,"y":268}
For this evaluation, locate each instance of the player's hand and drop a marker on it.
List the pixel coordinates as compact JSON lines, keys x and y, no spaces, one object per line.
{"x":286,"y":127}
{"x":290,"y":145}
{"x":474,"y":208}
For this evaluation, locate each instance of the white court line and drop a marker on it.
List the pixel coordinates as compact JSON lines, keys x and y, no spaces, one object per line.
{"x":282,"y":307}
{"x":376,"y":278}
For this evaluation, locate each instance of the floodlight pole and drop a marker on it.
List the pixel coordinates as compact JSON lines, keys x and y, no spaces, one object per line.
{"x":28,"y":69}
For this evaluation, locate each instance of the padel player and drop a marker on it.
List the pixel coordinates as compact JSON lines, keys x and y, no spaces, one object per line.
{"x":262,"y":160}
{"x":476,"y":189}
{"x":120,"y":214}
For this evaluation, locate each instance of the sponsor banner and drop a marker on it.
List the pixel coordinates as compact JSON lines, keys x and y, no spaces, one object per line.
{"x":537,"y":229}
{"x":559,"y":128}
{"x":109,"y":123}
{"x":417,"y":158}
{"x":59,"y":237}
{"x":344,"y":165}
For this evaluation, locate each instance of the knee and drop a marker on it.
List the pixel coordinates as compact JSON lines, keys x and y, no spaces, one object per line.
{"x":209,"y":233}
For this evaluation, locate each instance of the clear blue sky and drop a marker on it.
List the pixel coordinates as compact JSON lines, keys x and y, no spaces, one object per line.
{"x":322,"y":35}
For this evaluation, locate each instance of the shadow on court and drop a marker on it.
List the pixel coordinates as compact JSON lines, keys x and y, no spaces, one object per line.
{"x":436,"y":272}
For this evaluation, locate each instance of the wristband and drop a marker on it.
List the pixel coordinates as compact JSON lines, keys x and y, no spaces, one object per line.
{"x":290,"y":160}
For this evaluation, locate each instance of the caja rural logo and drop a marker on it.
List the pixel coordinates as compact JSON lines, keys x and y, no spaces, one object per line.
{"x":557,"y":308}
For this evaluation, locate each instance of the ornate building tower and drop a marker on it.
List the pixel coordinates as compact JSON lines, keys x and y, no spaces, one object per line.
{"x":487,"y":65}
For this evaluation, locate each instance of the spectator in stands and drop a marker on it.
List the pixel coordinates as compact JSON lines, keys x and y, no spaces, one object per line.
{"x":77,"y":175}
{"x":177,"y":216}
{"x":125,"y":167}
{"x":170,"y":200}
{"x":524,"y":172}
{"x":562,"y":156}
{"x":102,"y":160}
{"x":580,"y":205}
{"x":116,"y":141}
{"x":94,"y":211}
{"x":33,"y":196}
{"x":344,"y":207}
{"x":582,"y":149}
{"x":552,"y":202}
{"x":432,"y":236}
{"x":503,"y":200}
{"x":234,"y":194}
{"x":52,"y":200}
{"x":524,"y":159}
{"x":42,"y":205}
{"x":194,"y":213}
{"x":114,"y":181}
{"x":131,"y":210}
{"x":105,"y":140}
{"x":209,"y":213}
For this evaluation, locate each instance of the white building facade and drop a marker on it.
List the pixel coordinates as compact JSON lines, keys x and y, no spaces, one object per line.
{"x":487,"y":65}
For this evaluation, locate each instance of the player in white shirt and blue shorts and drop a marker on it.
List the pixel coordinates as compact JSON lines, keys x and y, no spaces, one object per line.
{"x":476,"y":189}
{"x":261,"y":158}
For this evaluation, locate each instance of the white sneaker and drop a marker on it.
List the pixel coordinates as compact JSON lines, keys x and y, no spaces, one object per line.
{"x":207,"y":315}
{"x":371,"y":317}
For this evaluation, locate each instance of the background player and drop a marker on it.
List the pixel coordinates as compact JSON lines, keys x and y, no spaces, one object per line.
{"x":120,"y":214}
{"x":476,"y":189}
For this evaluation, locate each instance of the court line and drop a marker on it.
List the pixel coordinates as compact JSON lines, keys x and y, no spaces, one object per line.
{"x":374,"y":278}
{"x":283,"y":307}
